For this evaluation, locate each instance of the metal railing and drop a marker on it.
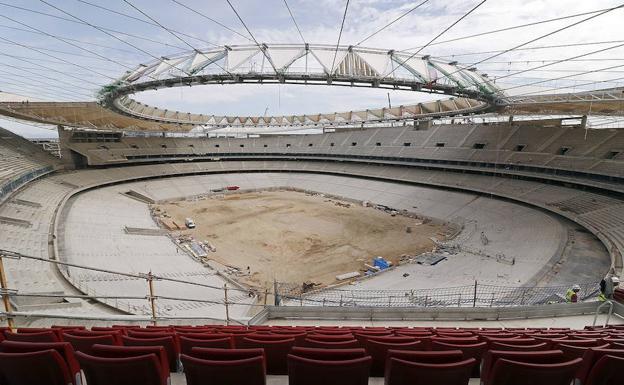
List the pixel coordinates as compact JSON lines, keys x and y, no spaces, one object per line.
{"x":476,"y":295}
{"x":148,"y":306}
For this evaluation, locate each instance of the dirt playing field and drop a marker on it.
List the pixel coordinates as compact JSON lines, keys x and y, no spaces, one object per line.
{"x":296,"y":237}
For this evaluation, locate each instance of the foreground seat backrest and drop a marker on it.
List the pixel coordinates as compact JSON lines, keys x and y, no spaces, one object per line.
{"x":474,"y":350}
{"x":430,"y":357}
{"x":186,"y":344}
{"x":305,"y":371}
{"x":275,"y":353}
{"x":116,"y":334}
{"x":45,"y":367}
{"x":113,"y":351}
{"x":542,"y":357}
{"x":46,"y":336}
{"x":607,"y":371}
{"x":507,"y":372}
{"x":378,"y":351}
{"x":328,"y":354}
{"x":590,"y":358}
{"x":167,"y":343}
{"x":349,"y":344}
{"x":85,"y":344}
{"x":331,"y":337}
{"x":519,"y":348}
{"x":214,"y":354}
{"x":401,"y":372}
{"x":570,"y":351}
{"x":63,"y":348}
{"x":248,"y":371}
{"x":139,"y":370}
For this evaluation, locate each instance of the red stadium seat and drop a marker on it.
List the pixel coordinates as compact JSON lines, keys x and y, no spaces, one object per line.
{"x":58,"y":332}
{"x":456,"y":340}
{"x":85,"y":344}
{"x":518,"y":348}
{"x":116,"y":334}
{"x":328,"y":354}
{"x":41,"y":367}
{"x":434,"y":357}
{"x":400,"y":372}
{"x":248,"y":371}
{"x":138,"y":370}
{"x":168,"y":343}
{"x":212,"y":354}
{"x":507,"y":372}
{"x":186,"y":344}
{"x":607,"y":371}
{"x":591,"y":356}
{"x":331,"y":337}
{"x":586,"y":343}
{"x":541,"y":357}
{"x":63,"y":348}
{"x":275,"y":353}
{"x":351,"y":344}
{"x":513,"y":341}
{"x":379,"y":352}
{"x":571,"y":352}
{"x":112,"y":351}
{"x":46,"y":336}
{"x":305,"y":371}
{"x":475,"y":351}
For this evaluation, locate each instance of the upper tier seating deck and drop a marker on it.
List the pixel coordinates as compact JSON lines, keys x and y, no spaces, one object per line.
{"x":556,"y":147}
{"x":18,"y":158}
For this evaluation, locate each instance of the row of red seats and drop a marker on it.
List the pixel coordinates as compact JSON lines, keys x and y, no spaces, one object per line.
{"x":277,"y":343}
{"x":306,"y":366}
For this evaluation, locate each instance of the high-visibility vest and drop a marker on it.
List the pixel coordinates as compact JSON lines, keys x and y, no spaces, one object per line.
{"x":571,"y":296}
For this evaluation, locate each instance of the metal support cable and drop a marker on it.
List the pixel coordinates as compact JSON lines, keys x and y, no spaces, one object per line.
{"x":55,"y":57}
{"x":102,"y":57}
{"x":27,"y":60}
{"x":344,"y":16}
{"x":70,"y":39}
{"x":210,"y":19}
{"x":294,"y":21}
{"x":20,"y":78}
{"x":33,"y":73}
{"x":562,"y":77}
{"x":536,"y":39}
{"x":39,"y":91}
{"x":532,"y":48}
{"x":436,"y":37}
{"x":532,"y":24}
{"x":392,"y":22}
{"x":83,"y":23}
{"x":144,"y":21}
{"x":160,"y":25}
{"x":171,"y":32}
{"x":575,"y":86}
{"x":562,"y":60}
{"x":251,"y":35}
{"x":111,"y":35}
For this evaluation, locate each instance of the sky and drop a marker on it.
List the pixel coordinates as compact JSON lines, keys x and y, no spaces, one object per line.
{"x":65,"y":50}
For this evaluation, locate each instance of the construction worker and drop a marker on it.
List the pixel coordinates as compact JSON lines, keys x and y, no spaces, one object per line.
{"x":607,"y":287}
{"x":572,"y":294}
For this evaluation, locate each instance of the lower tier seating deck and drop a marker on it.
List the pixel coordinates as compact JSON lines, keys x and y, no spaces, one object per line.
{"x":301,"y":355}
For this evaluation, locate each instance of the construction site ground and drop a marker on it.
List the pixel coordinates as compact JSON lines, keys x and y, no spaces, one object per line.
{"x":296,"y":237}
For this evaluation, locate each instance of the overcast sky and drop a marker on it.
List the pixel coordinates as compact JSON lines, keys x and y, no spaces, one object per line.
{"x":39,"y":66}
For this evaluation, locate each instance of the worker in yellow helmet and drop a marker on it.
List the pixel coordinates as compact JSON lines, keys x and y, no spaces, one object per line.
{"x":572,"y":294}
{"x":608,"y":286}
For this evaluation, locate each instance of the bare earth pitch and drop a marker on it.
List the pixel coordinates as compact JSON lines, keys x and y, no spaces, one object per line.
{"x":296,"y":237}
